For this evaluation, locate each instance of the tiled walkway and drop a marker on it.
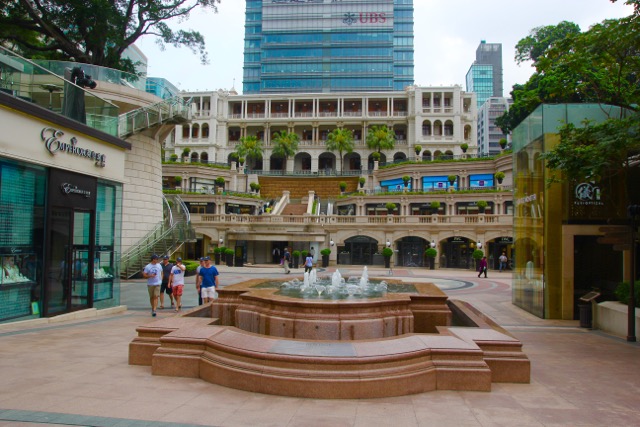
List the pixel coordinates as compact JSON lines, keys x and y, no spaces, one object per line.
{"x":76,"y":373}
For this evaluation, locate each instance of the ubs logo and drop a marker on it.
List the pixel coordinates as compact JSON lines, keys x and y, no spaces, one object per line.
{"x":364,"y":18}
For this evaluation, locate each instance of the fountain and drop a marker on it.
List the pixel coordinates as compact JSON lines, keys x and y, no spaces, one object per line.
{"x":332,"y":337}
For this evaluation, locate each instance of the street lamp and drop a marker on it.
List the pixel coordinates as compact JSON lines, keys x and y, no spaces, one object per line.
{"x":433,"y":244}
{"x":388,"y":243}
{"x":331,"y":243}
{"x":221,"y":240}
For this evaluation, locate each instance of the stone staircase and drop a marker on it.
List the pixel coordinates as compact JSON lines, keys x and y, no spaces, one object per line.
{"x":295,"y":209}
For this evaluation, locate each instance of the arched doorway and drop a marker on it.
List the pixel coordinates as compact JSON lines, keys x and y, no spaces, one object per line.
{"x":456,"y":253}
{"x":411,"y":251}
{"x":496,"y":248}
{"x":361,"y":249}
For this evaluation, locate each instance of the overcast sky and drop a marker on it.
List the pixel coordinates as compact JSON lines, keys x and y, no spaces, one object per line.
{"x":447,"y":33}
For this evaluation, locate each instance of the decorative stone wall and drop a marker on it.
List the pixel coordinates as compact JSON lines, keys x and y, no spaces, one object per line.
{"x":142,"y":195}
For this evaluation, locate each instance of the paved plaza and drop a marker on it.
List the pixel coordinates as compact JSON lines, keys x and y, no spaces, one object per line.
{"x":76,"y":373}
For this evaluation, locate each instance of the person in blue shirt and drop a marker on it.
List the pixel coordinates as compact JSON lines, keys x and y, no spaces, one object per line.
{"x":209,"y":281}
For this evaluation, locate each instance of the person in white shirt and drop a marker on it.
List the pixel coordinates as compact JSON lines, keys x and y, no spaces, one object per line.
{"x":176,"y":282}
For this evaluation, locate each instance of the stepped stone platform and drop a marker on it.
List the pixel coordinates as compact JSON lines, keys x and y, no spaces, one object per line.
{"x":299,"y":186}
{"x":256,"y":340}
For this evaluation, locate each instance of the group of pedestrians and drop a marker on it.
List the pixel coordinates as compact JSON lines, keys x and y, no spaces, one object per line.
{"x":167,"y":278}
{"x":285,"y":261}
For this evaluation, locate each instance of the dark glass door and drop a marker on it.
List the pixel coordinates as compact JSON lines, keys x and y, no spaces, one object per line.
{"x":70,"y":266}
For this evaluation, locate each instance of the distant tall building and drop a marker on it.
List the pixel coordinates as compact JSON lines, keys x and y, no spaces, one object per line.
{"x":485,"y":74}
{"x":328,"y":46}
{"x":489,"y":134}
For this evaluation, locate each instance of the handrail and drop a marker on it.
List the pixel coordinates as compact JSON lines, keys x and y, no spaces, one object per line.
{"x":160,"y":112}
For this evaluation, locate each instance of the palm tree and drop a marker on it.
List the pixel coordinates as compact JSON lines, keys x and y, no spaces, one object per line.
{"x":340,"y":140}
{"x":381,"y":137}
{"x":250,"y":147}
{"x":285,"y":144}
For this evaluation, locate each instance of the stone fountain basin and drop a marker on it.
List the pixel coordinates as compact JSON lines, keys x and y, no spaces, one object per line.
{"x":250,"y":339}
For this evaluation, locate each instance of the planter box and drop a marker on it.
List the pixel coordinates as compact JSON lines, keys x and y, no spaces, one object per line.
{"x":377,"y":259}
{"x":611,"y":317}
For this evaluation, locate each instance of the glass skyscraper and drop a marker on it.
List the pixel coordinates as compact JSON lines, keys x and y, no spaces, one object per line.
{"x":328,"y":46}
{"x":485,"y":74}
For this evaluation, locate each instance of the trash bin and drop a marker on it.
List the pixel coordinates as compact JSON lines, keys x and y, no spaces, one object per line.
{"x":586,"y":315}
{"x":586,"y":309}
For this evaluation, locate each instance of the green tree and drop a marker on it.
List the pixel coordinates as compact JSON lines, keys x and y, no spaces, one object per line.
{"x":340,"y":140}
{"x":250,"y":148}
{"x":285,"y":144}
{"x":381,"y":137}
{"x":96,"y":31}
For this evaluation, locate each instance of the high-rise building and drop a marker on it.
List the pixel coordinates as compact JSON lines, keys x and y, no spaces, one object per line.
{"x":485,"y":74}
{"x":317,"y":46}
{"x":489,"y":134}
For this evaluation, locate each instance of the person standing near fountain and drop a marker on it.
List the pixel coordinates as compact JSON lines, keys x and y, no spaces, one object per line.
{"x":164,"y":287}
{"x":286,"y":260}
{"x":308,"y":263}
{"x":153,"y":273}
{"x":209,"y":281}
{"x":482,"y":268}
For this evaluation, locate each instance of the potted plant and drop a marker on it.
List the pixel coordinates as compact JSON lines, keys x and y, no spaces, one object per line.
{"x":325,"y":256}
{"x":361,"y":181}
{"x":217,"y":254}
{"x":304,"y":255}
{"x":390,"y":207}
{"x":406,"y":180}
{"x":499,"y":177}
{"x":431,"y":254}
{"x":255,"y":187}
{"x":342,"y":185}
{"x":387,"y":253}
{"x":418,"y":149}
{"x":477,"y":256}
{"x":177,"y":180}
{"x":503,"y":143}
{"x":220,"y":182}
{"x":185,"y":153}
{"x":435,"y":207}
{"x":295,"y":255}
{"x":452,"y":179}
{"x":464,"y":147}
{"x":173,"y":158}
{"x":228,"y":253}
{"x":375,"y":156}
{"x":482,"y":205}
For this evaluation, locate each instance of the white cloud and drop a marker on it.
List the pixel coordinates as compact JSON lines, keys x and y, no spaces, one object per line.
{"x":447,"y":33}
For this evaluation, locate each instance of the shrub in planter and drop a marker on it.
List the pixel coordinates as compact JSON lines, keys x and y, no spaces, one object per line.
{"x":361,"y":181}
{"x":452,"y":179}
{"x":464,"y":147}
{"x":254,"y":186}
{"x":375,"y":156}
{"x":342,"y":185}
{"x":477,"y":256}
{"x":217,"y":254}
{"x":295,"y":258}
{"x":418,"y":149}
{"x":482,"y":205}
{"x":228,"y":253}
{"x":177,"y":180}
{"x":173,"y":158}
{"x":499,"y":177}
{"x":406,"y":180}
{"x":185,"y":152}
{"x":325,"y":256}
{"x":623,"y":291}
{"x":503,"y":143}
{"x":304,"y":254}
{"x":435,"y":206}
{"x":431,"y":254}
{"x":390,"y":207}
{"x":219,"y":181}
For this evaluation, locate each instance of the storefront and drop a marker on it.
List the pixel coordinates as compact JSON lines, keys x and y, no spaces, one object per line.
{"x":60,"y":213}
{"x":557,"y":258}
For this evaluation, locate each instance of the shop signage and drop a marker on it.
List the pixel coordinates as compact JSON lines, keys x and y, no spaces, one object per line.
{"x":67,"y":188}
{"x":365,"y":18}
{"x":587,"y":194}
{"x":526,"y":199}
{"x":53,"y":144}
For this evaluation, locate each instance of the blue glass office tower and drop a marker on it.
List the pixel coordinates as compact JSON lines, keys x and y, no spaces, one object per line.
{"x":485,"y":74}
{"x":328,"y":46}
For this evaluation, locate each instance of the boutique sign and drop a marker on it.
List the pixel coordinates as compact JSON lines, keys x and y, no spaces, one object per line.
{"x":54,"y":144}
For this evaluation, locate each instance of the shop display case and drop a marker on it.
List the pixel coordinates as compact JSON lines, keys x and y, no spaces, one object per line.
{"x":18,"y":285}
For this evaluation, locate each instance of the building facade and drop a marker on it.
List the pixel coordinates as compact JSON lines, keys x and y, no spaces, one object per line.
{"x":485,"y":74}
{"x":319,"y":46}
{"x":489,"y":135}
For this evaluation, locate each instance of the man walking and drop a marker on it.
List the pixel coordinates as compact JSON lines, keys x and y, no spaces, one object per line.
{"x":176,"y":282}
{"x":482,"y":268}
{"x":153,"y":273}
{"x":209,"y":282}
{"x":503,"y":261}
{"x":287,"y":259}
{"x":166,"y":273}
